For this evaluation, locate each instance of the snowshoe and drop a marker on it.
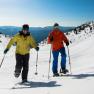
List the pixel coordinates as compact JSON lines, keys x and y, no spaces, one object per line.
{"x":23,"y":84}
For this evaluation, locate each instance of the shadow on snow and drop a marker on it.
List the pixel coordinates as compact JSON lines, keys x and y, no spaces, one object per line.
{"x":80,"y":76}
{"x":31,"y":84}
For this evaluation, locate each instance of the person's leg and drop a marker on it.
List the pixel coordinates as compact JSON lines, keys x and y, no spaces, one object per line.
{"x":55,"y":62}
{"x":63,"y":58}
{"x":25,"y":67}
{"x":18,"y":65}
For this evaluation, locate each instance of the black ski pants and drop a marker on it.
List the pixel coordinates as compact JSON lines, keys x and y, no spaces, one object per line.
{"x":22,"y":65}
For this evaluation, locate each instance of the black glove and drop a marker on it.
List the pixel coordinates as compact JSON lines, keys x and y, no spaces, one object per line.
{"x":5,"y":51}
{"x":37,"y":48}
{"x":67,"y":43}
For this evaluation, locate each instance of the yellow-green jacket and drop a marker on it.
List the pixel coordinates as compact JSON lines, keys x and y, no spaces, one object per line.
{"x":23,"y":44}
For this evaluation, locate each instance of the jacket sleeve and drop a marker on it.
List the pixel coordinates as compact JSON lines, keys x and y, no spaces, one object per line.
{"x":12,"y":41}
{"x":64,"y":38}
{"x":33,"y":43}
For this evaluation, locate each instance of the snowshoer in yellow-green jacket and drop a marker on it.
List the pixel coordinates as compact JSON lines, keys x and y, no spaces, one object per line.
{"x":24,"y":41}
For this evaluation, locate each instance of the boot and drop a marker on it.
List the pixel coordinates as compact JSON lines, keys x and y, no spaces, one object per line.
{"x":17,"y":73}
{"x":24,"y":81}
{"x":64,"y":71}
{"x":55,"y":74}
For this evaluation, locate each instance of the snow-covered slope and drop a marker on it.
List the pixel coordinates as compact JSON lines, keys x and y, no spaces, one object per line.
{"x":80,"y":82}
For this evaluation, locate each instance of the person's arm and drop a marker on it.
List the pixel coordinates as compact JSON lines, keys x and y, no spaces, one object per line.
{"x":33,"y":43}
{"x":65,"y":39}
{"x":11,"y":42}
{"x":50,"y":38}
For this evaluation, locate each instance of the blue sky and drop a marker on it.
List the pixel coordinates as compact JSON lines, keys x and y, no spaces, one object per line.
{"x":46,"y":12}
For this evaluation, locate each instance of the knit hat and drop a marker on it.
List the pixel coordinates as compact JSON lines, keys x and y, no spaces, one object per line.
{"x":56,"y":25}
{"x":25,"y":27}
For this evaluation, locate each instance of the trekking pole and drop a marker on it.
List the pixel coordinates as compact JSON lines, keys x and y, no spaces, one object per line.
{"x":49,"y":64}
{"x":36,"y":63}
{"x":69,"y":59}
{"x":2,"y":61}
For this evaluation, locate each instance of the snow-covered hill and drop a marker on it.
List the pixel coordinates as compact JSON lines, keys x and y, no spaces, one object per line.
{"x":81,"y":32}
{"x":82,"y":63}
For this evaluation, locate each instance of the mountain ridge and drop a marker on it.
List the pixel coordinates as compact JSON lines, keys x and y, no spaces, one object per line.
{"x":40,"y":33}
